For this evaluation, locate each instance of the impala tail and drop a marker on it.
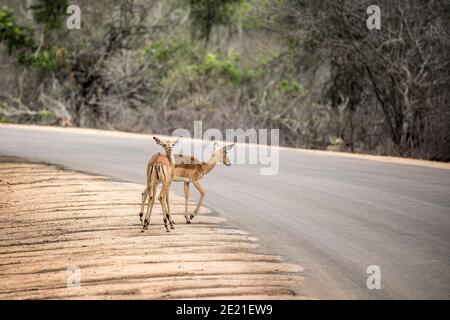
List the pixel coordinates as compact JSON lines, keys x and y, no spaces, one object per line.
{"x":157,"y":173}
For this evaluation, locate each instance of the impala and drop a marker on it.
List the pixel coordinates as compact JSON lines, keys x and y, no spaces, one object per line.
{"x":188,"y":169}
{"x":160,"y":169}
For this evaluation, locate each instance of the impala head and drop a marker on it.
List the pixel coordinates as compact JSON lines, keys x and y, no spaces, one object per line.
{"x":220,"y":153}
{"x":167,"y":145}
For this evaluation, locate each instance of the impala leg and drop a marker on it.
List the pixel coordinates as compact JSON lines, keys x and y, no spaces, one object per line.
{"x":186,"y":202}
{"x":162,"y":200}
{"x":141,"y":213}
{"x":151,"y":191}
{"x":169,"y":216}
{"x":202,"y":195}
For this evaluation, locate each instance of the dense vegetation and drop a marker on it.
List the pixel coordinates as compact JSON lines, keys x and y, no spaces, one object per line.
{"x":310,"y":68}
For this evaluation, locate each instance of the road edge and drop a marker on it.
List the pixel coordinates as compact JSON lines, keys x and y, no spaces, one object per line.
{"x":147,"y":136}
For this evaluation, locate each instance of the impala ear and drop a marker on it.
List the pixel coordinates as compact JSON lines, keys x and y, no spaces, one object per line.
{"x":230,"y":146}
{"x":157,"y":140}
{"x":176,"y":141}
{"x":215,"y":145}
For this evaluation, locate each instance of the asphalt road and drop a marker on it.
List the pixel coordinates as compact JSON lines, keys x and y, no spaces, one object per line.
{"x":335,"y":216}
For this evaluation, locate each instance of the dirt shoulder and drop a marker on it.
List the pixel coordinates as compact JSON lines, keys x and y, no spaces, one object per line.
{"x":53,"y":219}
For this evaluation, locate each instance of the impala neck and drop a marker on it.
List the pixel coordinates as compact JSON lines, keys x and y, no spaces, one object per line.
{"x":171,"y":158}
{"x":211,"y":163}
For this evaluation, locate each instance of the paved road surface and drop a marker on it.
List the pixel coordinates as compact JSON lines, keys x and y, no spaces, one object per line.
{"x":335,"y":216}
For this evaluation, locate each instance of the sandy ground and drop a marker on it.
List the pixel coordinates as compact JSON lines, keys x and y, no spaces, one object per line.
{"x":53,"y":219}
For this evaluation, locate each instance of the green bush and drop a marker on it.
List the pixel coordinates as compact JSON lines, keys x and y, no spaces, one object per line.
{"x":289,"y":86}
{"x":227,"y":67}
{"x":47,"y":116}
{"x":49,"y":13}
{"x":4,"y":120}
{"x":45,"y":62}
{"x":158,"y":50}
{"x":181,"y":59}
{"x":19,"y":40}
{"x":205,"y":14}
{"x":16,"y":37}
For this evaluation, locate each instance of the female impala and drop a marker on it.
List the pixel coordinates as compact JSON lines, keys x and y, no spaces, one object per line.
{"x":160,"y":169}
{"x":188,"y":169}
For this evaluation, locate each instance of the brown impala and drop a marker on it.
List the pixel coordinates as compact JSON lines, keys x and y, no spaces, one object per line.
{"x":188,"y":169}
{"x":160,"y":169}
